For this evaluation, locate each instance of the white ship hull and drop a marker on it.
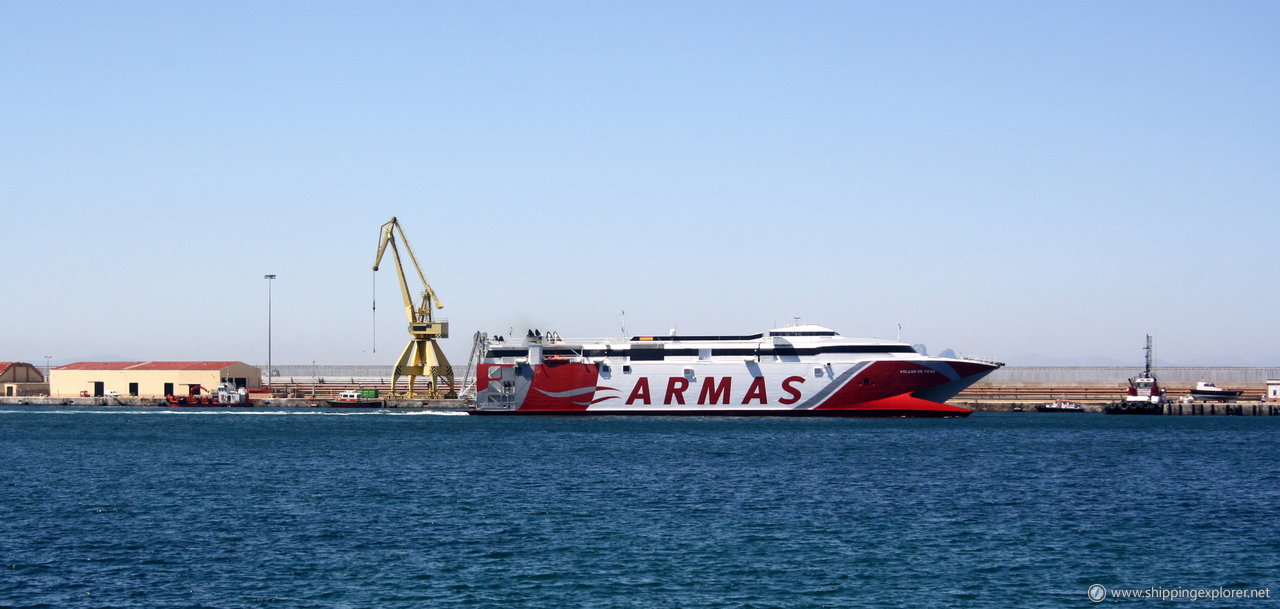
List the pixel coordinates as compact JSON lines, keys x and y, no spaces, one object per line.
{"x":786,"y":372}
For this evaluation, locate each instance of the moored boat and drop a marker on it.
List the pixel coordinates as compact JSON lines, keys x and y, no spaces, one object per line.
{"x":1208,"y":392}
{"x":354,"y":399}
{"x":795,"y":371}
{"x":1060,"y":405}
{"x":1144,"y":396}
{"x":227,"y":394}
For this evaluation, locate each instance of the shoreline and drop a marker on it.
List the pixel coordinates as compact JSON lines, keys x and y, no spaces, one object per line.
{"x":151,"y":402}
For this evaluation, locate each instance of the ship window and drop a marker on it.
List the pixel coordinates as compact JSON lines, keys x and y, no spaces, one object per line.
{"x":626,"y":369}
{"x":704,"y":353}
{"x":647,"y":353}
{"x":817,"y":372}
{"x":495,"y":372}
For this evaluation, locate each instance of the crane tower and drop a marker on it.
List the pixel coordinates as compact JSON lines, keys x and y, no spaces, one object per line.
{"x":422,"y":356}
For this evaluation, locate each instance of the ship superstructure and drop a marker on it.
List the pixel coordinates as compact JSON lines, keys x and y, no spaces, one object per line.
{"x":799,"y":370}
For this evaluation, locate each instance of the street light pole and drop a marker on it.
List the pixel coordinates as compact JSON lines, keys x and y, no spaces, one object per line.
{"x":269,"y":279}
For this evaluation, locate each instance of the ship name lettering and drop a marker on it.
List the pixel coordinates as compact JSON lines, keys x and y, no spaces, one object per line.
{"x":715,"y":394}
{"x":675,"y":389}
{"x":793,"y":393}
{"x":714,"y":390}
{"x":639,"y":392}
{"x":756,"y":391}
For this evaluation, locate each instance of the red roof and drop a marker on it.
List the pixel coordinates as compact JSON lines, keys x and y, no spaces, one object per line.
{"x":147,"y":366}
{"x":97,"y":366}
{"x":4,"y":366}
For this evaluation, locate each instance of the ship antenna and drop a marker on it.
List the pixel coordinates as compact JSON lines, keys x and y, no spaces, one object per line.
{"x":622,"y":322}
{"x":1148,"y":370}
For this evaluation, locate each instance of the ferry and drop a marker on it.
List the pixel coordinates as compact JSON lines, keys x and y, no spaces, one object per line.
{"x":804,"y":370}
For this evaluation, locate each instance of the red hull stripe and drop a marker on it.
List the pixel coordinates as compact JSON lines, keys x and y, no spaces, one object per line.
{"x":871,"y":413}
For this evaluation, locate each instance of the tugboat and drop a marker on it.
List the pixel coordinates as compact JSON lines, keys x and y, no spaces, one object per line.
{"x":1060,"y":405}
{"x":1208,"y":392}
{"x":1145,"y":396}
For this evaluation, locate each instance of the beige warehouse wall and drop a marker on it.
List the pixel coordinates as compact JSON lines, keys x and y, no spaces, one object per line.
{"x":69,"y":383}
{"x":150,"y":382}
{"x":251,"y":374}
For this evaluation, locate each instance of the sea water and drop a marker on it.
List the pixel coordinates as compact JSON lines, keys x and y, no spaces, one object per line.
{"x":225,"y":508}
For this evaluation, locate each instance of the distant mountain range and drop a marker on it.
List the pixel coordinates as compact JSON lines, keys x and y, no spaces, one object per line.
{"x":39,"y":362}
{"x":1036,"y":359}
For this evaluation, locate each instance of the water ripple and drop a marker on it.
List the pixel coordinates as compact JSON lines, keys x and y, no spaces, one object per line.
{"x":130,"y":509}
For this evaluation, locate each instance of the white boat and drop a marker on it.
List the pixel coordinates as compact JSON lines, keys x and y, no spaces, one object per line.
{"x":1060,"y":405}
{"x":1208,"y":392}
{"x":794,"y":371}
{"x":231,"y":395}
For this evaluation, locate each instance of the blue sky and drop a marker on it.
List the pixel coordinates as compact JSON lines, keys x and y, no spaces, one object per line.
{"x":1032,"y":182}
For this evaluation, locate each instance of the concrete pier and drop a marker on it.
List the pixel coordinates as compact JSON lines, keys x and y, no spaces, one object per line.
{"x":267,"y":402}
{"x":1239,"y":408}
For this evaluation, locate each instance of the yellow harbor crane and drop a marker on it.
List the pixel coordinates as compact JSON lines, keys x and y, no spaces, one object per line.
{"x":422,"y":356}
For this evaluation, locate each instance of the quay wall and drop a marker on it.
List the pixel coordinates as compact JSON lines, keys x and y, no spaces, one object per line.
{"x":1006,"y":375}
{"x":1121,"y":374}
{"x":267,"y":402}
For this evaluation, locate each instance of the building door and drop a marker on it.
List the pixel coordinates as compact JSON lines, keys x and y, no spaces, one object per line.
{"x":133,"y":389}
{"x":98,"y":389}
{"x":168,"y":389}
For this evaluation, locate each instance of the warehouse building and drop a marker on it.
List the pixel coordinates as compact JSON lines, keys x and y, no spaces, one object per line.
{"x":21,"y":379}
{"x":149,"y":379}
